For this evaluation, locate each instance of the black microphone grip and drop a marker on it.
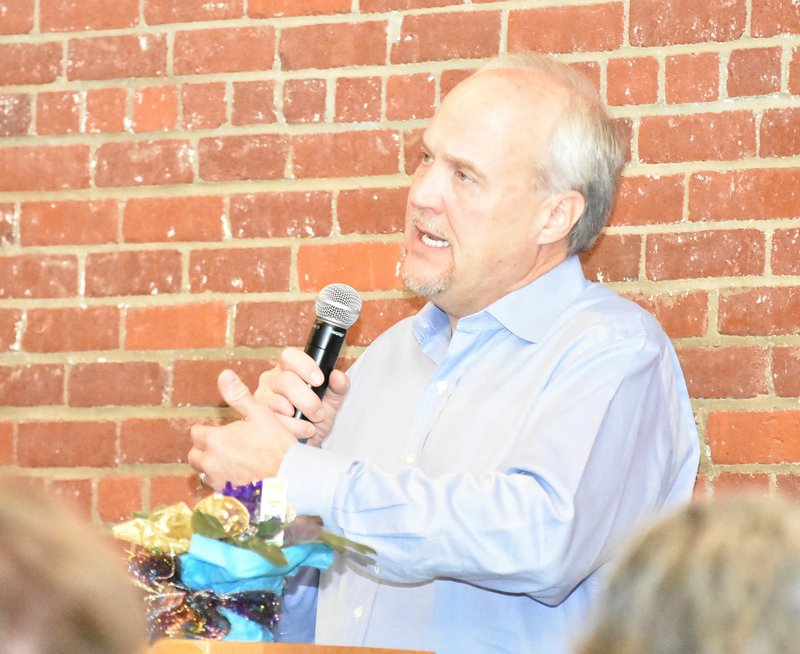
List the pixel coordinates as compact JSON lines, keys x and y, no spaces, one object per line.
{"x":324,"y":344}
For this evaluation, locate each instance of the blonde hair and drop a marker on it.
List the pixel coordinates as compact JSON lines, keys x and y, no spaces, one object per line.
{"x":585,"y":153}
{"x":715,"y":578}
{"x":63,"y":589}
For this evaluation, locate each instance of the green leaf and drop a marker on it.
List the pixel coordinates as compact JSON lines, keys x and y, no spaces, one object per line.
{"x":269,"y":528}
{"x":207,"y":525}
{"x":341,"y":544}
{"x":269,"y":551}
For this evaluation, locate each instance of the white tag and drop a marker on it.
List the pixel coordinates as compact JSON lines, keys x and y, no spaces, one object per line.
{"x":273,"y":503}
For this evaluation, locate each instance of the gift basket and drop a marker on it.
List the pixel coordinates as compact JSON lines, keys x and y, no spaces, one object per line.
{"x":218,"y":571}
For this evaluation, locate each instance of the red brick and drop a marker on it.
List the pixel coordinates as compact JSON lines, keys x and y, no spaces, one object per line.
{"x":412,"y":150}
{"x":632,"y":80}
{"x":586,"y":28}
{"x":169,"y":489}
{"x":71,"y":16}
{"x":140,"y":163}
{"x":785,"y":246}
{"x":649,"y":200}
{"x":756,"y":71}
{"x":30,"y":63}
{"x":65,"y":330}
{"x":780,"y":133}
{"x":304,"y":100}
{"x":760,"y":311}
{"x":69,"y":222}
{"x":692,"y":77}
{"x":44,"y":168}
{"x":67,"y":444}
{"x":168,"y":11}
{"x":773,"y":17}
{"x":15,"y":114}
{"x":155,"y":441}
{"x":8,"y":215}
{"x":669,"y":22}
{"x":450,"y":78}
{"x":794,"y":72}
{"x":7,"y":444}
{"x":16,"y":17}
{"x":245,"y":156}
{"x":624,"y":129}
{"x":270,"y":8}
{"x":129,"y":383}
{"x":10,"y":321}
{"x":346,"y":154}
{"x":333,"y":45}
{"x":204,"y":105}
{"x":699,"y":137}
{"x":149,"y":272}
{"x":786,"y":371}
{"x":275,"y":215}
{"x":155,"y":109}
{"x":754,"y":436}
{"x":273,"y":324}
{"x":73,"y":494}
{"x":435,"y":37}
{"x":118,"y":498}
{"x":358,"y":99}
{"x":32,"y":385}
{"x":57,"y":113}
{"x":744,"y":194}
{"x":224,"y":50}
{"x":788,"y":485}
{"x":736,"y":483}
{"x":182,"y":218}
{"x":724,"y":372}
{"x":38,"y":276}
{"x":378,"y":315}
{"x":256,"y":270}
{"x":117,"y":57}
{"x":410,"y":96}
{"x":181,"y":327}
{"x":371,"y":210}
{"x":376,"y":269}
{"x":613,"y":258}
{"x":723,"y":253}
{"x":105,"y":110}
{"x":682,"y":315}
{"x":195,"y":382}
{"x":253,"y":103}
{"x":368,"y":6}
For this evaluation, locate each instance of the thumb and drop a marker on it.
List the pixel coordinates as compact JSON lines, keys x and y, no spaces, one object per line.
{"x":237,"y":396}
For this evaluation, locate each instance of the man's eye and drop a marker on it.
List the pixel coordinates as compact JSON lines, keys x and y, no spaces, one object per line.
{"x":425,"y":158}
{"x":462,"y":176}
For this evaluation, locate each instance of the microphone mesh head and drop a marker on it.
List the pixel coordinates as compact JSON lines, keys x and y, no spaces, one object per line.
{"x":338,"y":304}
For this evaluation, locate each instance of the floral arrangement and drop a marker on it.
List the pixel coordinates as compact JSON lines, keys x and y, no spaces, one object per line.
{"x":218,"y":571}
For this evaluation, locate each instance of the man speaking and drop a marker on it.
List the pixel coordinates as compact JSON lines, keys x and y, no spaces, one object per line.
{"x":496,"y":448}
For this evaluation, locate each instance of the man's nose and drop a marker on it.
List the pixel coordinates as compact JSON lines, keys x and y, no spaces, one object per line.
{"x":427,"y":187}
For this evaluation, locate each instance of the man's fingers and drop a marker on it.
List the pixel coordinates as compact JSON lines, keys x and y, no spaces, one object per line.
{"x":301,"y":364}
{"x":236,"y":394}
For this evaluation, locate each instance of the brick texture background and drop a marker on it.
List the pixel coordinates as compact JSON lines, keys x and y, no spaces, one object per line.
{"x":179,"y":178}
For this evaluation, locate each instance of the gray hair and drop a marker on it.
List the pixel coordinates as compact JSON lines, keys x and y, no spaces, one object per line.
{"x":584,"y":154}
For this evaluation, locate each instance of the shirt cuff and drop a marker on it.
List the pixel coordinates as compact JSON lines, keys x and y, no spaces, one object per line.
{"x":312,"y":475}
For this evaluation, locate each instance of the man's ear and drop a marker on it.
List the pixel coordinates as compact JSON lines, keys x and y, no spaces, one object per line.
{"x":565,"y":210}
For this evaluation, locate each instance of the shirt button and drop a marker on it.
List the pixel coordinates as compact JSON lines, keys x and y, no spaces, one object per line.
{"x":358,"y":612}
{"x":441,"y":387}
{"x":410,"y":459}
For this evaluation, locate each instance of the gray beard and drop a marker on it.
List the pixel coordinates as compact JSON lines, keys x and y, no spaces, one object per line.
{"x":426,"y":288}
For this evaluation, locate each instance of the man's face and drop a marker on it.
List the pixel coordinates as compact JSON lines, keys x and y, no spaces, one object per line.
{"x":474,"y":215}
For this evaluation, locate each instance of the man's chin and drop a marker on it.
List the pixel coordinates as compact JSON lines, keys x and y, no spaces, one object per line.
{"x":424,"y":287}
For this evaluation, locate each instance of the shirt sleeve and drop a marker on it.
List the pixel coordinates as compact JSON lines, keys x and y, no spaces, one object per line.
{"x":608,"y":441}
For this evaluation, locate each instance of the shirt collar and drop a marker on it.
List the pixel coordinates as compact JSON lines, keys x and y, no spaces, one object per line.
{"x":527,"y":312}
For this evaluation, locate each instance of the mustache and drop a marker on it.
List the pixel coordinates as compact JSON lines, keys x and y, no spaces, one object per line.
{"x":425,"y":223}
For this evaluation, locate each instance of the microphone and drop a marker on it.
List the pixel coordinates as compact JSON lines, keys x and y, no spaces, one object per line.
{"x":338,"y":307}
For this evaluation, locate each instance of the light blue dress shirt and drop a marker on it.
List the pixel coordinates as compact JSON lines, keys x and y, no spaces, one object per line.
{"x":496,"y":472}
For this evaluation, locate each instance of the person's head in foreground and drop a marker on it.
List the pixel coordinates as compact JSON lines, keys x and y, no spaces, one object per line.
{"x":715,"y":578}
{"x":63,"y":588}
{"x":518,"y":170}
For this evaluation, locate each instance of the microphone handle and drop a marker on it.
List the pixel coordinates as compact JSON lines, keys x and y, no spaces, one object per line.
{"x":324,"y":344}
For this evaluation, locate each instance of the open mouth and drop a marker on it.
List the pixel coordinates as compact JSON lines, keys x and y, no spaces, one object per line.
{"x":433,"y":241}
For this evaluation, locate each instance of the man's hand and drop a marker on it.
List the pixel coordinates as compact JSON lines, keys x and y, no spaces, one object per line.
{"x":285,"y":388}
{"x":241,"y":451}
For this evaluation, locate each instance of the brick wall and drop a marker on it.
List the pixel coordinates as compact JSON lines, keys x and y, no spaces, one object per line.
{"x":178,"y":178}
